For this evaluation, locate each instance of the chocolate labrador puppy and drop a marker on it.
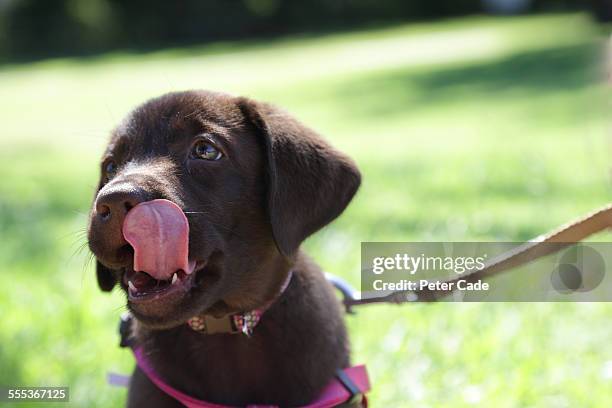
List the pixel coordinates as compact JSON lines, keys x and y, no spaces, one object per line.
{"x":203,"y":201}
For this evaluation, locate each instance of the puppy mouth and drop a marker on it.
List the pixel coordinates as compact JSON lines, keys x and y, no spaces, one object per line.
{"x":158,"y":233}
{"x":141,"y":287}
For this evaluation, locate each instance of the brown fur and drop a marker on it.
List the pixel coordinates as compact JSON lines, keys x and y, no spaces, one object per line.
{"x":277,"y":183}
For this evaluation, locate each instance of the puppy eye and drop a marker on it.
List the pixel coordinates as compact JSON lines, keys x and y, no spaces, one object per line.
{"x":206,"y":151}
{"x":110,"y":168}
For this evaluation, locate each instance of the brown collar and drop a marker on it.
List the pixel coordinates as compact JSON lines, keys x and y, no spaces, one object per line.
{"x":243,"y":322}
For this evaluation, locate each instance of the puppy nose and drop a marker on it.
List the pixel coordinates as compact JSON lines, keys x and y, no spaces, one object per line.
{"x":115,"y":204}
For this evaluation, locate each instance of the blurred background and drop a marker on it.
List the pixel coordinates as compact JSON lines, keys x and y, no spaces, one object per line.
{"x":470,"y":120}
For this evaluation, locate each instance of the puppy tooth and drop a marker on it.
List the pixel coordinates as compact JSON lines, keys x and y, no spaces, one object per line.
{"x":131,"y":286}
{"x":174,"y":278}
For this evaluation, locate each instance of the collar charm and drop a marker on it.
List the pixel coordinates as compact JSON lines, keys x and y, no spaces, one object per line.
{"x":246,"y":322}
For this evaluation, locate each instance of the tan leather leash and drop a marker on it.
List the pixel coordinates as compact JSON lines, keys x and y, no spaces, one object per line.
{"x":562,"y":237}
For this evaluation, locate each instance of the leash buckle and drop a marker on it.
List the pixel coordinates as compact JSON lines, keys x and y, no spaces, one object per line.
{"x":355,"y":394}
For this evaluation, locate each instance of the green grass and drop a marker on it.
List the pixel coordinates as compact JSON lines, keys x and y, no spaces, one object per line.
{"x":468,"y":129}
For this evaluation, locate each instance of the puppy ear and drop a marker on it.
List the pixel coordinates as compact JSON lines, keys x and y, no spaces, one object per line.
{"x":106,"y":278}
{"x":309,"y":182}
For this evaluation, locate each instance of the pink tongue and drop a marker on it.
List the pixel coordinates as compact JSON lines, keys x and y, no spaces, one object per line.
{"x":159,"y":233}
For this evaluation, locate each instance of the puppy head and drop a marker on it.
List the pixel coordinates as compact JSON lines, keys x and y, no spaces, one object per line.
{"x":235,"y":183}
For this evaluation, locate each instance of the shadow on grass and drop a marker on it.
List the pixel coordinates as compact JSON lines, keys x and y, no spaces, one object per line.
{"x":522,"y":75}
{"x":540,"y":71}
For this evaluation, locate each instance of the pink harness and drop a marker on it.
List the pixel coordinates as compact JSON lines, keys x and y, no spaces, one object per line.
{"x":334,"y":394}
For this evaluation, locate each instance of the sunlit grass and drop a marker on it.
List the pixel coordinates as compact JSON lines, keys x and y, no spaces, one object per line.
{"x":477,"y":128}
